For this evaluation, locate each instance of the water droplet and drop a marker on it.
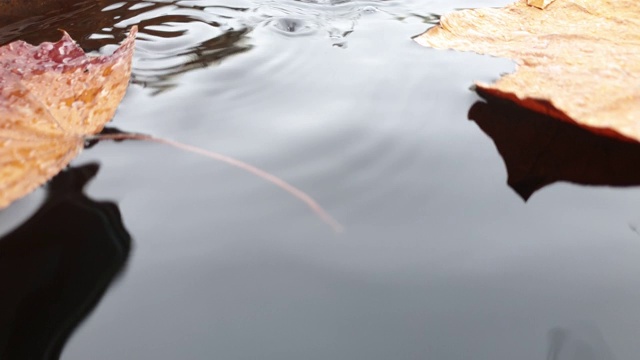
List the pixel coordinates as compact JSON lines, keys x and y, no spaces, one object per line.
{"x":369,"y":10}
{"x":292,"y":26}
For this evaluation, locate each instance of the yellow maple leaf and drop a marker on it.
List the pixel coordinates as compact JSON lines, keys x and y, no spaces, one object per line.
{"x":51,"y":97}
{"x":578,"y":60}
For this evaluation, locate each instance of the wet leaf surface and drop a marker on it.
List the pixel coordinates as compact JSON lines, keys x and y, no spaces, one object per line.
{"x":51,"y":97}
{"x":577,"y":59}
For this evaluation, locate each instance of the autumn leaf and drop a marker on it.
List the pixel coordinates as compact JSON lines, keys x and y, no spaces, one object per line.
{"x":578,"y":60}
{"x":541,"y":4}
{"x":52,"y":96}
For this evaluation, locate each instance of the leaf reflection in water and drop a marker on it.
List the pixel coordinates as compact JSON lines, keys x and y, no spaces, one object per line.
{"x":538,"y":150}
{"x":56,"y":266}
{"x":583,"y":342}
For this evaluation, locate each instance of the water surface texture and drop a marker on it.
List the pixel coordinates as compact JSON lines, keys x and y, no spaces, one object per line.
{"x":441,"y":258}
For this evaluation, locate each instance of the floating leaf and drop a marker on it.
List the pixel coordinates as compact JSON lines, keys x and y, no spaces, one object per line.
{"x":51,"y":97}
{"x":578,"y":60}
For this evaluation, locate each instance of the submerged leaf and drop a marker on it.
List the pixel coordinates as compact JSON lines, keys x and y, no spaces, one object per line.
{"x":578,"y":60}
{"x":51,"y":97}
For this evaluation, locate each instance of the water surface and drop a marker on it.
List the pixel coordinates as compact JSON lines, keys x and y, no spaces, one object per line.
{"x":440,"y":258}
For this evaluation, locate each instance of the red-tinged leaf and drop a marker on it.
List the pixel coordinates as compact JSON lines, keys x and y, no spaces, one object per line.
{"x":51,"y":97}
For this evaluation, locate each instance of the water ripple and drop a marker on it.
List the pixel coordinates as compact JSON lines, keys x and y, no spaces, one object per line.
{"x":182,"y":35}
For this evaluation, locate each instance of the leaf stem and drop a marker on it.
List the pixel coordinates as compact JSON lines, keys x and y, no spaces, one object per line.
{"x":294,"y":191}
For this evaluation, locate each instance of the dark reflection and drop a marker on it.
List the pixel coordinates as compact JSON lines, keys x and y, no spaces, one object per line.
{"x":539,"y":150}
{"x":97,"y":23}
{"x":22,"y":21}
{"x":584,"y":343}
{"x":201,"y":55}
{"x":56,"y":266}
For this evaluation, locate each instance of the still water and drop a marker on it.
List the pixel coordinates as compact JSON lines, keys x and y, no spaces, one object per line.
{"x":171,"y":255}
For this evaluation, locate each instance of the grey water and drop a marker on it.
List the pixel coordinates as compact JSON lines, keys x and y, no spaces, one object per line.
{"x":439,"y":258}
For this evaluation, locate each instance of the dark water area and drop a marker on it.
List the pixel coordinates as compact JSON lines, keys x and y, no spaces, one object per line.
{"x":55,"y":267}
{"x":171,"y":255}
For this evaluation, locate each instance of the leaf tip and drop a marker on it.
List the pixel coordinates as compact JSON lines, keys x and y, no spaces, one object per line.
{"x":540,"y":4}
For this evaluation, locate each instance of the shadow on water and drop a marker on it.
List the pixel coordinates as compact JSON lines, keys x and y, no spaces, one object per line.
{"x":539,"y":150}
{"x":56,"y":266}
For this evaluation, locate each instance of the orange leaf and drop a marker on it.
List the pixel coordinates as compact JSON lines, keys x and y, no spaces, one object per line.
{"x":51,"y":97}
{"x":541,"y":4}
{"x":578,"y":60}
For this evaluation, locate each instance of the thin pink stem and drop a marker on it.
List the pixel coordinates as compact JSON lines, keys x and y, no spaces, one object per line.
{"x":297,"y":193}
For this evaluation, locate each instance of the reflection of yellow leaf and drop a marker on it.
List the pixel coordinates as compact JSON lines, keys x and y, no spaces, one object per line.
{"x":51,"y":97}
{"x":578,"y":60}
{"x":538,"y":150}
